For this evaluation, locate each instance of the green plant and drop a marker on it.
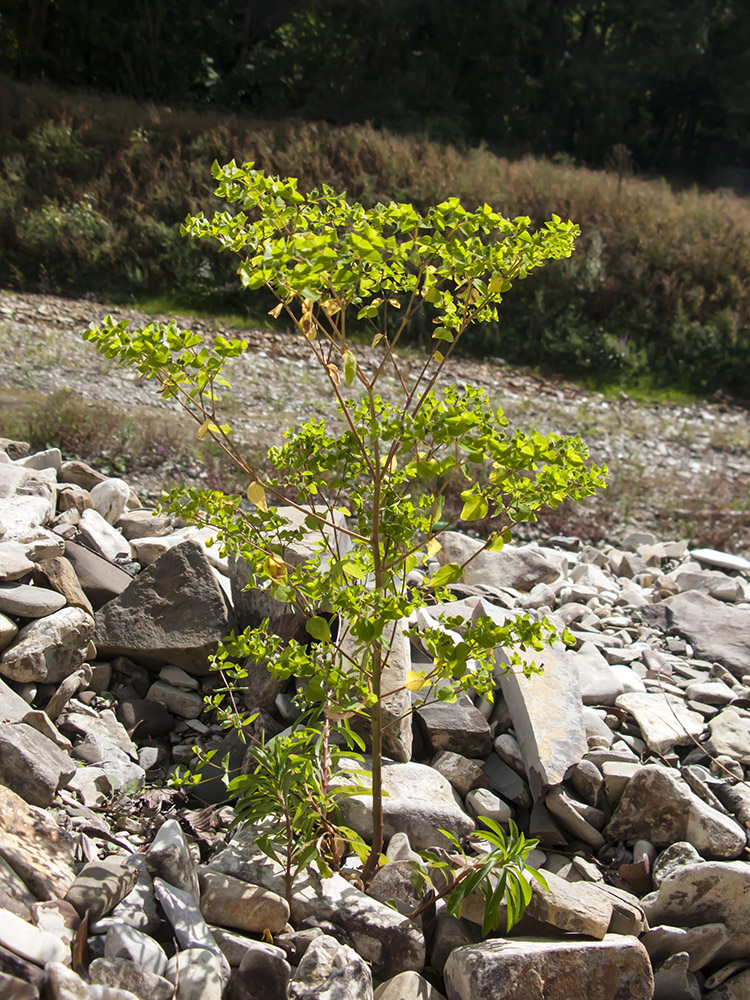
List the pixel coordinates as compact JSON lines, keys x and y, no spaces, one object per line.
{"x":499,"y":875}
{"x":365,"y":498}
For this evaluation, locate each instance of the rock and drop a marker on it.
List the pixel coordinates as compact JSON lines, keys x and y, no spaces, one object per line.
{"x":517,"y":566}
{"x":100,"y":579}
{"x":331,"y":971}
{"x":21,"y":515}
{"x":121,"y":770}
{"x":186,"y":919}
{"x":701,"y":943}
{"x":417,"y":801}
{"x":99,"y":535}
{"x":12,"y":706}
{"x":64,"y":984}
{"x":664,"y":720}
{"x":28,"y":941}
{"x":230,"y":902}
{"x":14,"y":894}
{"x":393,"y":883}
{"x":458,"y":727}
{"x":138,"y":910}
{"x":61,"y":576}
{"x":48,"y":458}
{"x":716,"y":631}
{"x":128,"y":975}
{"x":263,"y":974}
{"x":49,"y":649}
{"x":730,"y":733}
{"x":702,"y":893}
{"x":615,"y":968}
{"x":735,"y":988}
{"x":35,"y":847}
{"x":569,"y":814}
{"x":381,"y":935}
{"x":178,"y":701}
{"x":169,"y":857}
{"x":23,"y":601}
{"x":103,"y":727}
{"x":198,"y":973}
{"x":407,"y":986}
{"x":99,"y":887}
{"x":547,"y":716}
{"x":13,"y":988}
{"x":617,"y":774}
{"x":110,"y":498}
{"x":576,"y":907}
{"x":673,"y":980}
{"x":463,"y":774}
{"x":143,"y":719}
{"x":174,"y":612}
{"x":722,"y":560}
{"x":600,"y":684}
{"x":14,"y":562}
{"x":506,"y":782}
{"x":72,"y":497}
{"x":658,"y":806}
{"x":32,"y":765}
{"x":143,"y":524}
{"x":483,"y":802}
{"x":127,"y":942}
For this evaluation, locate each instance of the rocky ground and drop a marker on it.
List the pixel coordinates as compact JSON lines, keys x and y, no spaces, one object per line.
{"x":677,"y":470}
{"x":625,"y":759}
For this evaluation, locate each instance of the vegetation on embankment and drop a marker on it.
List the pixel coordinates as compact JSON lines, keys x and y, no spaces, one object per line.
{"x":93,"y":191}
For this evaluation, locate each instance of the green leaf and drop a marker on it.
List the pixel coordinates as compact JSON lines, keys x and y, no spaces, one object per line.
{"x":450,"y":573}
{"x":475,"y":507}
{"x":350,"y":367}
{"x":318,"y":628}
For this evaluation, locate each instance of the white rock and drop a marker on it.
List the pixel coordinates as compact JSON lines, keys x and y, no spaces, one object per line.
{"x":664,"y":720}
{"x":102,"y":537}
{"x":722,"y":560}
{"x":28,"y":941}
{"x":49,"y":649}
{"x":50,"y":458}
{"x":110,"y":499}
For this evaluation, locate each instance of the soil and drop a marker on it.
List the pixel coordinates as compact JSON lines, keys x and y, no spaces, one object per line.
{"x":679,"y":470}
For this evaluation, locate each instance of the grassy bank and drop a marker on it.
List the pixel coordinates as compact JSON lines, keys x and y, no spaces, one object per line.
{"x":93,"y":191}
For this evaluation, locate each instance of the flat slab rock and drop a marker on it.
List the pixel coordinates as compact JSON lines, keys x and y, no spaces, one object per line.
{"x":535,"y":968}
{"x":716,"y":631}
{"x":173,"y":612}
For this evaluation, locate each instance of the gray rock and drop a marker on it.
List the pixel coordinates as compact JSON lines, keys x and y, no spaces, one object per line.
{"x":506,"y":782}
{"x":658,"y":806}
{"x":102,"y":537}
{"x":17,"y":989}
{"x":123,"y":941}
{"x":199,"y":974}
{"x":122,"y":771}
{"x":418,"y":801}
{"x":178,"y":701}
{"x":518,"y":566}
{"x":663,"y":719}
{"x":674,"y":981}
{"x":174,"y":612}
{"x":671,"y":858}
{"x":483,"y":802}
{"x":547,"y":716}
{"x":448,"y":934}
{"x":49,"y":649}
{"x":331,"y":971}
{"x":100,"y":886}
{"x":64,"y":984}
{"x":58,"y":572}
{"x":458,"y":727}
{"x":124,"y":974}
{"x":103,"y":726}
{"x":708,"y":892}
{"x":28,"y":941}
{"x":736,"y":987}
{"x":600,"y":683}
{"x":186,"y":919}
{"x":29,"y":602}
{"x":730,"y":733}
{"x":575,"y":817}
{"x":380,"y":935}
{"x":716,"y":631}
{"x":170,"y":859}
{"x":100,"y":579}
{"x":12,"y":706}
{"x":138,"y":910}
{"x":407,"y":986}
{"x":524,"y":968}
{"x":463,"y":774}
{"x":701,"y":943}
{"x":31,"y":764}
{"x":576,"y":907}
{"x":263,"y":974}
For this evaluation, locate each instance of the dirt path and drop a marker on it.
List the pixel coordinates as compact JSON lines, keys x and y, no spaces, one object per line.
{"x":675,"y":469}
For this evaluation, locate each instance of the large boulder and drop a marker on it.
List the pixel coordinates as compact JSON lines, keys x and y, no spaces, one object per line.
{"x":174,"y":612}
{"x":716,"y":631}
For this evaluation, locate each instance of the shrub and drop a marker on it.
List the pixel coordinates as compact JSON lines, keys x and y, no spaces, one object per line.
{"x":366,"y":497}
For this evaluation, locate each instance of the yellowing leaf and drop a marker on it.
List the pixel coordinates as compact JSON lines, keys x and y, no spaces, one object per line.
{"x":433,"y":547}
{"x":204,"y":429}
{"x":276,"y":568}
{"x":331,"y":306}
{"x":257,"y":495}
{"x":276,"y":311}
{"x":376,"y":339}
{"x":333,"y":373}
{"x":415,"y":680}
